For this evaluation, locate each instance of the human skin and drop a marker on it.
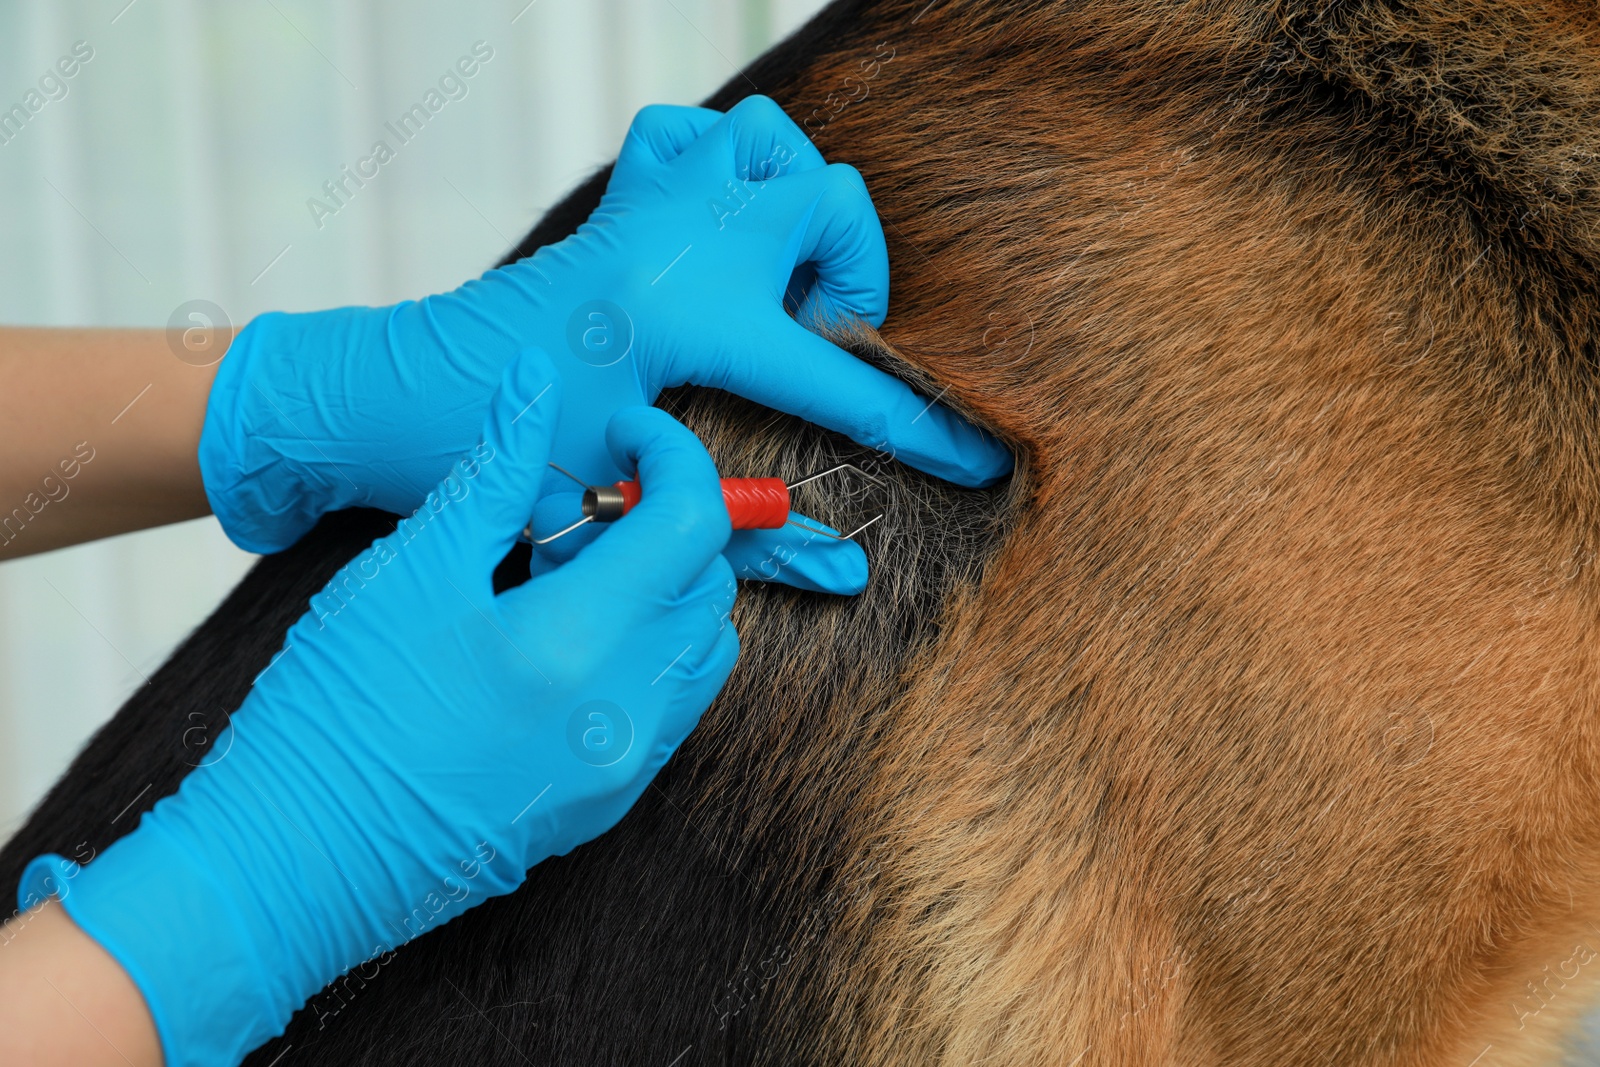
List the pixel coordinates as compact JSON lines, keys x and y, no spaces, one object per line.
{"x":64,"y":1002}
{"x":119,"y":396}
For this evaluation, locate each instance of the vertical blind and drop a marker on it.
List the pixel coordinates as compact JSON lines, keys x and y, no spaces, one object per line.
{"x":183,"y":160}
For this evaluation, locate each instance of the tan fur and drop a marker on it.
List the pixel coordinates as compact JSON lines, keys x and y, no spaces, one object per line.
{"x":1270,"y":735}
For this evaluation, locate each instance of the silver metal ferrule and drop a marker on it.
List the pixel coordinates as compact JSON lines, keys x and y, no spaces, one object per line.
{"x":603,"y":503}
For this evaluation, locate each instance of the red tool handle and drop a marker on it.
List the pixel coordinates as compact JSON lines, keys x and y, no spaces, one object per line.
{"x":753,"y":503}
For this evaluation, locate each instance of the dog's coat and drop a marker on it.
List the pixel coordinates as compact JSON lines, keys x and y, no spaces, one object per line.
{"x":1253,"y":723}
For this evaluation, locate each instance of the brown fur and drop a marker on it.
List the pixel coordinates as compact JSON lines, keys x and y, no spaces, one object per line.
{"x":1269,"y":736}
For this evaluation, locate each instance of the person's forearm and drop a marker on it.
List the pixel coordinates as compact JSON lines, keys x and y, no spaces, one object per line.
{"x":64,"y":1002}
{"x":98,"y":434}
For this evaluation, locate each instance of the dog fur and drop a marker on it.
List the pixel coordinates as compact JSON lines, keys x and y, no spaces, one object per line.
{"x":1252,"y":723}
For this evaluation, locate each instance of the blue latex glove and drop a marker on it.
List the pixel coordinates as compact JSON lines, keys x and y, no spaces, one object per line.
{"x":421,"y":742}
{"x":678,"y":277}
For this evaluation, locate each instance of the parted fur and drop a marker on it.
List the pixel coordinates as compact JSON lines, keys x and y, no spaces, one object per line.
{"x":1254,"y":722}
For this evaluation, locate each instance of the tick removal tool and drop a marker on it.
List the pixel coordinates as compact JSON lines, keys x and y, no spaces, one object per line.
{"x":753,"y":503}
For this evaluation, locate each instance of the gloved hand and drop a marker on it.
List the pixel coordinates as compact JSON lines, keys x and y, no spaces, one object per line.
{"x":421,"y":742}
{"x":678,"y":277}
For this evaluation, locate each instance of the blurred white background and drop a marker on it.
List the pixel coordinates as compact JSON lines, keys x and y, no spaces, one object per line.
{"x":178,"y":166}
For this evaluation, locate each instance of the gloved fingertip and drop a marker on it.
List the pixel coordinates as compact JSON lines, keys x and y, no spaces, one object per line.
{"x":940,"y":442}
{"x":800,"y":558}
{"x":991,"y":462}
